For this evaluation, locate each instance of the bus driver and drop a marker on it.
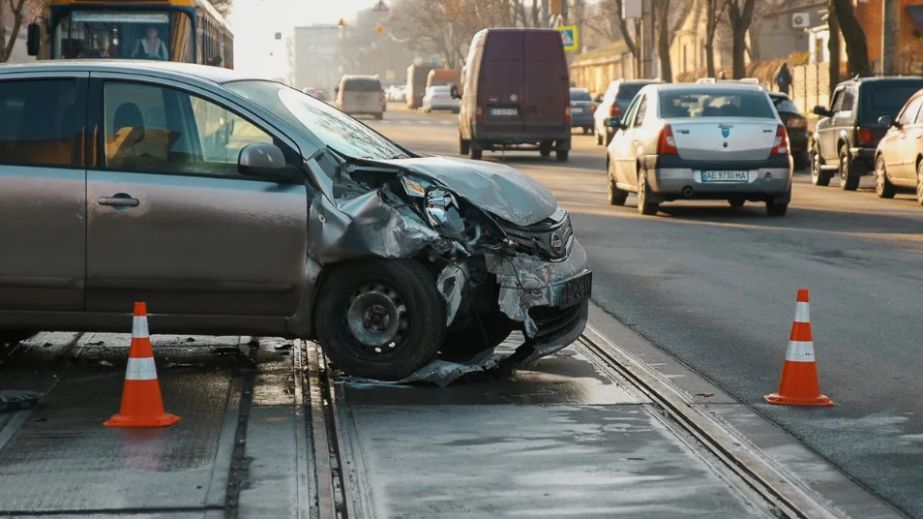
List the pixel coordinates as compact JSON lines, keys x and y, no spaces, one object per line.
{"x":151,"y":47}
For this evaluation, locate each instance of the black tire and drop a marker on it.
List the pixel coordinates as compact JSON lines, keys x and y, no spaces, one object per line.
{"x":586,"y":130}
{"x":616,"y":195}
{"x":474,"y":151}
{"x":561,"y":155}
{"x":463,"y":146}
{"x":484,"y":332}
{"x":737,"y":203}
{"x":14,"y":336}
{"x":819,"y":177}
{"x":379,"y":116}
{"x":408,"y":306}
{"x":591,"y":130}
{"x":544,"y":149}
{"x":920,"y":182}
{"x":883,"y":187}
{"x":849,"y":172}
{"x":776,"y":208}
{"x":599,"y":139}
{"x":645,"y":205}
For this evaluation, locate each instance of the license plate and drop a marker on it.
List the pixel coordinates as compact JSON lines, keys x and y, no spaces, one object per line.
{"x":577,"y":110}
{"x":504,"y":111}
{"x":576,"y":290}
{"x":731,"y":177}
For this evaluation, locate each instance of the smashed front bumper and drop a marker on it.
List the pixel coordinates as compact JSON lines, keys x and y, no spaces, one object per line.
{"x":549,"y":298}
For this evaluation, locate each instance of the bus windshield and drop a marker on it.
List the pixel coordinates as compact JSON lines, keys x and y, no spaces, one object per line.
{"x":156,"y":35}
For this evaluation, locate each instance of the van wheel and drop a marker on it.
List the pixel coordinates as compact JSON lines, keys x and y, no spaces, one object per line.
{"x":380,"y":319}
{"x":544,"y":149}
{"x":463,"y":146}
{"x":379,"y":116}
{"x":474,"y":150}
{"x":561,"y":155}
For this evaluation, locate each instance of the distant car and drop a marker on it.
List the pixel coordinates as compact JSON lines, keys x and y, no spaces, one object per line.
{"x":846,"y":136}
{"x":317,"y":93}
{"x":614,"y":103}
{"x":700,"y":141}
{"x":440,"y":98}
{"x":581,"y":109}
{"x":361,"y":95}
{"x":397,"y":93}
{"x":899,"y":157}
{"x":797,"y":127}
{"x":515,"y":94}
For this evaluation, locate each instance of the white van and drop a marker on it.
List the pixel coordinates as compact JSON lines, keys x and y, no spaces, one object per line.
{"x":361,"y":95}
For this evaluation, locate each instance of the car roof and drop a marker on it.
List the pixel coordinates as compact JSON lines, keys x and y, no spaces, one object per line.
{"x":881,"y":79}
{"x":706,"y":87}
{"x":167,"y":69}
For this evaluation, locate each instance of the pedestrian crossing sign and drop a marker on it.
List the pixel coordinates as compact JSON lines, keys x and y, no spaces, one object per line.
{"x":569,"y":37}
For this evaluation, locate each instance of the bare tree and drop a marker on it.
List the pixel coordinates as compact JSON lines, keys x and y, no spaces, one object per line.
{"x":740,"y":16}
{"x":713,"y":11}
{"x":833,"y":47}
{"x":857,"y":50}
{"x":15,"y":9}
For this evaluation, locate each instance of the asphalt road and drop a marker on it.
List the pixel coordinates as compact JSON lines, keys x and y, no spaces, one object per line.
{"x":715,"y":287}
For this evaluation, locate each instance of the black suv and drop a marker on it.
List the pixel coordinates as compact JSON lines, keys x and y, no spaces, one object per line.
{"x":848,"y":132}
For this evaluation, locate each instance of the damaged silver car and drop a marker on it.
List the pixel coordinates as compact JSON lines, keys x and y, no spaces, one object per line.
{"x":235,"y":205}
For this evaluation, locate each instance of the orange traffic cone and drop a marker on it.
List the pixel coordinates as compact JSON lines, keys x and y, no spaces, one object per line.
{"x":799,"y":385}
{"x":142,"y":405}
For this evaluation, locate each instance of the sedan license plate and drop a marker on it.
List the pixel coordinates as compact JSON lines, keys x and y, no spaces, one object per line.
{"x":576,"y":290}
{"x":728,"y":177}
{"x":506,"y":112}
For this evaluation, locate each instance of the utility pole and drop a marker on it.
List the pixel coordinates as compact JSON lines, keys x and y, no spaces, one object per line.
{"x":890,"y":17}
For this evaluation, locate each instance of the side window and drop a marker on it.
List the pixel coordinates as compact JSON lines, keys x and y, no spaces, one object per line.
{"x":161,"y":130}
{"x":837,"y":101}
{"x":638,"y":119}
{"x":630,"y":112}
{"x":37,"y":119}
{"x":849,"y":100}
{"x":909,"y":114}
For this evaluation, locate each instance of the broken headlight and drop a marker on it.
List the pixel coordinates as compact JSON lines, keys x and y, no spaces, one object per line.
{"x":441,"y":209}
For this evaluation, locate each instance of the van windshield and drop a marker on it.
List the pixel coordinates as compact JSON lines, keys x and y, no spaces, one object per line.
{"x":335,"y":129}
{"x":362,"y":85}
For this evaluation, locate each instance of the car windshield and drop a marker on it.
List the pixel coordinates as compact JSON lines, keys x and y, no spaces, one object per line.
{"x":362,"y":85}
{"x":684,"y":104}
{"x":335,"y":129}
{"x":577,"y":94}
{"x":885,"y":99}
{"x":785,"y":105}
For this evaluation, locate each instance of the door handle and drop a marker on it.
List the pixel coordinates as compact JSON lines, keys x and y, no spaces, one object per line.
{"x":118,"y":200}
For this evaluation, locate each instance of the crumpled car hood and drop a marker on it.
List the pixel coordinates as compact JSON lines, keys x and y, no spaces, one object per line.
{"x":498,"y":189}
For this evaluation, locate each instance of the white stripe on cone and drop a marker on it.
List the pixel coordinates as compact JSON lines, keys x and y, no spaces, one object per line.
{"x":141,"y":369}
{"x":802,"y":312}
{"x":139,"y":327}
{"x":800,"y":351}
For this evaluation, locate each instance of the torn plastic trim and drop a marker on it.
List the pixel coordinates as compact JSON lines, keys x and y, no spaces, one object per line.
{"x":451,"y":283}
{"x":526,"y":281}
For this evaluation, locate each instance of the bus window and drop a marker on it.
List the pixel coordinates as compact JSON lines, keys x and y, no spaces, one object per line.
{"x":136,"y":35}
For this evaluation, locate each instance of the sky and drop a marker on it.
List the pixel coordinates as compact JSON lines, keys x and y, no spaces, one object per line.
{"x":255,"y":22}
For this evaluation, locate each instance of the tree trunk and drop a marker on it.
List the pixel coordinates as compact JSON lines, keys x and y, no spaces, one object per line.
{"x":713,"y":10}
{"x":833,"y":47}
{"x":740,"y":17}
{"x":662,"y":15}
{"x":710,"y":59}
{"x":857,"y":51}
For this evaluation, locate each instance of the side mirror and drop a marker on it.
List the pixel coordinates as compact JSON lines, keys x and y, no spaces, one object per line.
{"x":821,"y":111}
{"x":614,"y":122}
{"x":34,"y":39}
{"x":454,"y":92}
{"x":886,"y":121}
{"x":263,"y":160}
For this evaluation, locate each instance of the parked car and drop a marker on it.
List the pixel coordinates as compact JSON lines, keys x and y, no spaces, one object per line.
{"x":361,"y":95}
{"x":797,"y":127}
{"x":234,"y":205}
{"x":846,"y":136}
{"x":581,"y":109}
{"x":899,"y":158}
{"x":317,"y":93}
{"x":700,"y":141}
{"x":614,"y":103}
{"x":440,"y":98}
{"x":515,"y":93}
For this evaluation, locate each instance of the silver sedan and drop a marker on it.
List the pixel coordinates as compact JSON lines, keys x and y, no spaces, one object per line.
{"x":698,"y":141}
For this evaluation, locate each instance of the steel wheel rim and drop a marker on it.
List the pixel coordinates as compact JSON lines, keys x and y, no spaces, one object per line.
{"x":844,"y":165}
{"x":880,"y":176}
{"x":920,"y":183}
{"x":377,"y":318}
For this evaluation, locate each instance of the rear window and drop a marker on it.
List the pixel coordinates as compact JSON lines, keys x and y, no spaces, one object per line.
{"x":362,"y":85}
{"x":879,"y":99}
{"x":785,"y":105}
{"x":579,"y":95}
{"x":680,"y":104}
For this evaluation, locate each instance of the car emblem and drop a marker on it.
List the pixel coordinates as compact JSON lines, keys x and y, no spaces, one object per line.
{"x":557,"y":244}
{"x":725,"y":131}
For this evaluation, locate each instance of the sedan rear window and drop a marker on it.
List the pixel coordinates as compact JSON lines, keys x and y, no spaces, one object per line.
{"x":784,"y":105}
{"x":686,"y":104}
{"x":361,"y":85}
{"x":579,"y":94}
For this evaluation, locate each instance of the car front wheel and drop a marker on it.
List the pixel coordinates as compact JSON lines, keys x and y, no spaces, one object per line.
{"x":380,"y":319}
{"x":616,"y":195}
{"x":819,"y":177}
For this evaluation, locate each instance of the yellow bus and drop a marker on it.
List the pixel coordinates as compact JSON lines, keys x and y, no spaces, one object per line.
{"x":190,"y":31}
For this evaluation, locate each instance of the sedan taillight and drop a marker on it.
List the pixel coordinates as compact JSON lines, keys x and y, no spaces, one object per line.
{"x":780,"y":146}
{"x":666,"y":144}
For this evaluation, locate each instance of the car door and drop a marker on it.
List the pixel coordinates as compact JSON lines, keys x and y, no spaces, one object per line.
{"x":826,"y":130}
{"x":844,"y":119}
{"x":173,"y":222}
{"x":627,"y":142}
{"x":900,"y":143}
{"x":42,"y":191}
